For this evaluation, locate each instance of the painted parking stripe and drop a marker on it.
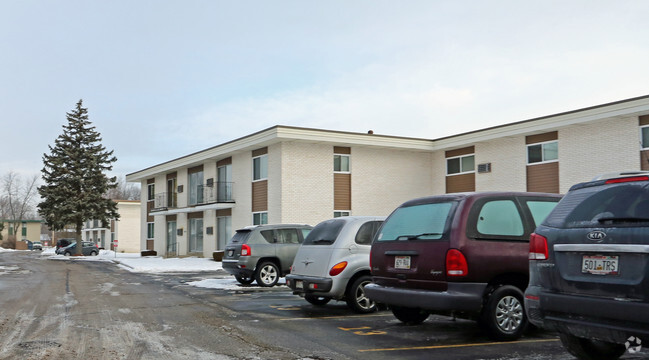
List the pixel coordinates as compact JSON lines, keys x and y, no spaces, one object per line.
{"x":334,"y":317}
{"x":458,"y":345}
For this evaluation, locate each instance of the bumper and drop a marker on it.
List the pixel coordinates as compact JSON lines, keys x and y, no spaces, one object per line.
{"x":235,"y":267}
{"x":588,"y":317}
{"x":458,"y":297}
{"x":309,"y":284}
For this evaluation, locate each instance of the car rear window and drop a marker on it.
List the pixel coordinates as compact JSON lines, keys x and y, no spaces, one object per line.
{"x":367,"y":231}
{"x":325,"y":233}
{"x":424,"y":221}
{"x":625,"y":204}
{"x":240,"y":237}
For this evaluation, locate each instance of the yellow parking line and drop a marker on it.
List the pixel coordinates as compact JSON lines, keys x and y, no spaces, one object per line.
{"x":334,"y":317}
{"x":458,"y":345}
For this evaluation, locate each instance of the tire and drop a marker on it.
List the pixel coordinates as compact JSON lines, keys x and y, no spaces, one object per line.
{"x":245,"y":280}
{"x":356,"y":298}
{"x":267,"y":274}
{"x":93,"y":253}
{"x":317,"y":300}
{"x":588,"y":349}
{"x":67,"y":253}
{"x":503,"y":316}
{"x":409,"y":316}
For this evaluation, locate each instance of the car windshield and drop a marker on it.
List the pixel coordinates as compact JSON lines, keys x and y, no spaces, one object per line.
{"x":325,"y":233}
{"x":616,"y":204}
{"x":425,"y":222}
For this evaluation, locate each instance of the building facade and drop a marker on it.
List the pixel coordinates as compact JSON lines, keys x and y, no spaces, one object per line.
{"x":192,"y":204}
{"x":22,"y":229}
{"x":125,"y":232}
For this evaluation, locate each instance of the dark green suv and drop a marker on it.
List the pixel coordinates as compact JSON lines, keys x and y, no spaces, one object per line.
{"x":589,"y":268}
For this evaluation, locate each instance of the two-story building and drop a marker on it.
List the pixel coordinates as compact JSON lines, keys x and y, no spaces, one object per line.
{"x":123,"y":232}
{"x":288,"y":174}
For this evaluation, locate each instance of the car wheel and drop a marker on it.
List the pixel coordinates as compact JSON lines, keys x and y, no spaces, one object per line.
{"x":67,"y":253}
{"x":93,"y":253}
{"x":503,"y":316}
{"x":410,"y":316}
{"x":356,"y":298}
{"x":245,"y":280}
{"x":317,"y":300}
{"x":588,"y":349}
{"x":267,"y":274}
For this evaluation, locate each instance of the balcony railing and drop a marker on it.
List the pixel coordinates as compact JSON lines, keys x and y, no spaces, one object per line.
{"x":165,"y":200}
{"x":218,"y":192}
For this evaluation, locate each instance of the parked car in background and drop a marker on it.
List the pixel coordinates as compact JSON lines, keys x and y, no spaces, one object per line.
{"x":263,"y":253}
{"x":61,"y":243}
{"x":589,"y":267}
{"x":36,"y":245}
{"x":89,"y":249}
{"x":333,"y":262}
{"x":464,"y":254}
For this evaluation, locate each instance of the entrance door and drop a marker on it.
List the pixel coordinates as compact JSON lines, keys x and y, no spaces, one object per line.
{"x":171,"y":238}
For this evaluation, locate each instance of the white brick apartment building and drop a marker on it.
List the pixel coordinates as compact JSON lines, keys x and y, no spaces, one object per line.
{"x":192,"y":204}
{"x":126,"y":230}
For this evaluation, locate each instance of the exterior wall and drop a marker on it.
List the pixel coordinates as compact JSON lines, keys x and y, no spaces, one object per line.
{"x":383,"y":179}
{"x":143,"y":213}
{"x":508,"y":158}
{"x":127,"y":229}
{"x":33,"y":230}
{"x":242,"y":190}
{"x":438,"y":173}
{"x":592,"y":149}
{"x":274,"y":188}
{"x":307,"y":182}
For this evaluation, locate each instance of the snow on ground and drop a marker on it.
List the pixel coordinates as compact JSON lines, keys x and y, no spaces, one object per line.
{"x":218,"y":279}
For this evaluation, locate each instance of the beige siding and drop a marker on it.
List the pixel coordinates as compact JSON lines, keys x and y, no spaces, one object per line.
{"x":342,"y":192}
{"x":543,"y":177}
{"x":460,"y":183}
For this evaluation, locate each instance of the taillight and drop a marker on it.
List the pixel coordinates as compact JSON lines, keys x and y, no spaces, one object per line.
{"x":245,"y":250}
{"x":456,"y":264}
{"x":538,"y":247}
{"x":627,"y":179}
{"x":338,"y":268}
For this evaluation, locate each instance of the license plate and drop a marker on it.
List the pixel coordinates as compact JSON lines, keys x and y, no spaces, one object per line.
{"x":402,"y":262}
{"x":600,"y":265}
{"x":299,"y":284}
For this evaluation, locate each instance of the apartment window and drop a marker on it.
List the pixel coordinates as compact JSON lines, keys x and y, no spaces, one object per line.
{"x":224,"y":229}
{"x":260,"y":218}
{"x":644,"y":137}
{"x":150,"y":192}
{"x":24,"y":231}
{"x":196,"y":188}
{"x":196,"y":235}
{"x":260,"y":167}
{"x":149,"y":230}
{"x":224,"y":176}
{"x":543,"y":152}
{"x":460,"y":165}
{"x":341,"y":213}
{"x":341,"y":163}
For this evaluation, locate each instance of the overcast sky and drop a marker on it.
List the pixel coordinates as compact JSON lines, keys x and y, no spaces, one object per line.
{"x":162,"y":79}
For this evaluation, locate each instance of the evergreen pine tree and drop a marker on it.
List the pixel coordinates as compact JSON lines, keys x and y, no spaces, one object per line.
{"x":73,"y":173}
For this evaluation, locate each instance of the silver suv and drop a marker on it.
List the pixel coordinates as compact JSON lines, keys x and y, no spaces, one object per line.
{"x":263,"y":253}
{"x":334,"y":262}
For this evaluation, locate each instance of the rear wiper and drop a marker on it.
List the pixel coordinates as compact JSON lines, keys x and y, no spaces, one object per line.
{"x":413,"y":237}
{"x":615,"y":220}
{"x":323,"y":240}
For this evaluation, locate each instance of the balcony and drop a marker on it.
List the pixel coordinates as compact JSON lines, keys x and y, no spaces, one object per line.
{"x":164,"y":201}
{"x":210,"y":193}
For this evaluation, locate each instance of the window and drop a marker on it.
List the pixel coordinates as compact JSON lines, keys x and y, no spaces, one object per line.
{"x":341,"y":163}
{"x":540,"y":210}
{"x":224,"y":231}
{"x":224,"y":176}
{"x":260,"y":167}
{"x":500,"y":217}
{"x":196,"y":188}
{"x":260,"y":218}
{"x":195,"y":235}
{"x":150,"y":192}
{"x":644,"y":136}
{"x":287,"y":236}
{"x":367,"y":231}
{"x":341,"y":213}
{"x":543,"y":152}
{"x":460,"y":165}
{"x":268,"y":235}
{"x":149,"y":230}
{"x":24,"y":231}
{"x":418,"y":222}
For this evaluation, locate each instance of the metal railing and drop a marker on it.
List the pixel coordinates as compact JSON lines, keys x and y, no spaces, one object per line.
{"x":218,"y":192}
{"x":165,"y":201}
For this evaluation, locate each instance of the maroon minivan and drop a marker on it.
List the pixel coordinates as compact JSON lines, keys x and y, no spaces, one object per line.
{"x":460,"y":254}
